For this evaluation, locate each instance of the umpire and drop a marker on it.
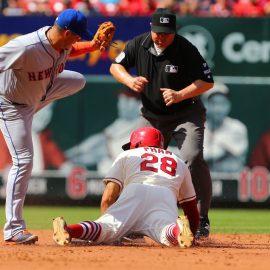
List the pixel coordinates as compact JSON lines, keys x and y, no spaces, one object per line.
{"x":171,"y":74}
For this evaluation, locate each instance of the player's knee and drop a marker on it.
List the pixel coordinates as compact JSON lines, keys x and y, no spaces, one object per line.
{"x":23,"y":162}
{"x":80,"y":81}
{"x":28,"y":165}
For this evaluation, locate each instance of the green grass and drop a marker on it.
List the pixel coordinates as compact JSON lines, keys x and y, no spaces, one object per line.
{"x":229,"y":221}
{"x":240,"y":221}
{"x":39,"y":217}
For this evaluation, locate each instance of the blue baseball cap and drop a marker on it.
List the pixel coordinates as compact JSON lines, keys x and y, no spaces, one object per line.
{"x":74,"y":21}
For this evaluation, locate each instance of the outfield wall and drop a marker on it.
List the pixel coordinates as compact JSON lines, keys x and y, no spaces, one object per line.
{"x":88,"y":114}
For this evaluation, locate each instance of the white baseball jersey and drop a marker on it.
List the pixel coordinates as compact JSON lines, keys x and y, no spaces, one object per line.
{"x":152,"y":180}
{"x":153,"y":166}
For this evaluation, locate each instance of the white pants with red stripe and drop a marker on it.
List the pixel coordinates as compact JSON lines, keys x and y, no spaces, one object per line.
{"x":140,"y":209}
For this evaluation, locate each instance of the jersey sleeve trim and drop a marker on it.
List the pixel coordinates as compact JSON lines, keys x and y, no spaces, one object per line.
{"x":187,"y":199}
{"x":108,"y":179}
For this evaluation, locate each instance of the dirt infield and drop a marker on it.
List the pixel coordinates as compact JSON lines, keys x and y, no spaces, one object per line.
{"x":241,"y":252}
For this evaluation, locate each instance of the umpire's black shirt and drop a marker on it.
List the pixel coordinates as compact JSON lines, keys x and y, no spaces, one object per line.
{"x":176,"y":67}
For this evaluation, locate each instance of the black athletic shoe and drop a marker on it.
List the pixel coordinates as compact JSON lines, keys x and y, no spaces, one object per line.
{"x":204,"y":228}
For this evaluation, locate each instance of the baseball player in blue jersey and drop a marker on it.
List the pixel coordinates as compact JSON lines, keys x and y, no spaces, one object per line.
{"x":142,"y":189}
{"x":32,"y":75}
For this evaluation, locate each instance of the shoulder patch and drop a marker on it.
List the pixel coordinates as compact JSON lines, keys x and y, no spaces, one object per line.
{"x":120,"y":57}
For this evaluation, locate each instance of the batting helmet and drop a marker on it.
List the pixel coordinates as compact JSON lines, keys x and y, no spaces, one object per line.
{"x":147,"y":136}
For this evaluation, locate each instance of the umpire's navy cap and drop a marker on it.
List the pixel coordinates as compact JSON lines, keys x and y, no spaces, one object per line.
{"x":74,"y":21}
{"x":163,"y":21}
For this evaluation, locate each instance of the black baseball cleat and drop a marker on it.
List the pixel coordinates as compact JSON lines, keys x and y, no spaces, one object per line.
{"x":204,"y":229}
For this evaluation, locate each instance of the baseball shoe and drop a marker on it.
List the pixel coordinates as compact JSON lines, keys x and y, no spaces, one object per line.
{"x":185,"y":237}
{"x":60,"y":233}
{"x":23,"y":237}
{"x":204,"y":229}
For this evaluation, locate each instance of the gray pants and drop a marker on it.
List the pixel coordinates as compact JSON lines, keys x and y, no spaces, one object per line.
{"x":16,"y":126}
{"x":187,"y":129}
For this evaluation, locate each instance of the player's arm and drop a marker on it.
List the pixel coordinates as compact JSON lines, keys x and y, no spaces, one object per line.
{"x":83,"y":47}
{"x":191,"y":211}
{"x":114,"y":182}
{"x":101,"y":40}
{"x":120,"y":73}
{"x":123,"y":62}
{"x":195,"y":89}
{"x":110,"y":195}
{"x":188,"y":201}
{"x":199,"y":73}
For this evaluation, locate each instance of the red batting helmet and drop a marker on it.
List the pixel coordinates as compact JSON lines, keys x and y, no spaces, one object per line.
{"x":147,"y":136}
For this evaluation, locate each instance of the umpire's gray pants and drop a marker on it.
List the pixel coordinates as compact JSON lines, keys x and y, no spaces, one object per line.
{"x":187,"y":129}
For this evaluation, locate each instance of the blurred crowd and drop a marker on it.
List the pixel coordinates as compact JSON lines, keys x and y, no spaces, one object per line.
{"x":200,"y":8}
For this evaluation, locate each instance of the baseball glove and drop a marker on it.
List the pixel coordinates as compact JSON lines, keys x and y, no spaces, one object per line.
{"x":104,"y":35}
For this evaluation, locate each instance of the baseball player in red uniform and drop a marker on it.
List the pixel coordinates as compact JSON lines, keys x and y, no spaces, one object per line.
{"x":32,"y":75}
{"x":142,"y":189}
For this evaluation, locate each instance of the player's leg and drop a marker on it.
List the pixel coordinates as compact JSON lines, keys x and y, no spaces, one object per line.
{"x":159,"y":219}
{"x":15,"y":124}
{"x":86,"y":230}
{"x":189,"y":137}
{"x":104,"y":230}
{"x":66,"y":84}
{"x":177,"y":234}
{"x":118,"y":221}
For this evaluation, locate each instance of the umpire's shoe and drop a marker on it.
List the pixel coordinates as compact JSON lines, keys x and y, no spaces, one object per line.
{"x":185,"y":237}
{"x":23,"y":237}
{"x":60,"y":233}
{"x":204,"y":229}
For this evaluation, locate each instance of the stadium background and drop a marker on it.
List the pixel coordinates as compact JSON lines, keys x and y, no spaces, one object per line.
{"x":238,"y":51}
